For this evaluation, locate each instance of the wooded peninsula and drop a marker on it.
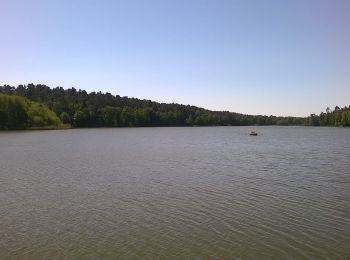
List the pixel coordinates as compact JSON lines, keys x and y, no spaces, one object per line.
{"x":41,"y":107}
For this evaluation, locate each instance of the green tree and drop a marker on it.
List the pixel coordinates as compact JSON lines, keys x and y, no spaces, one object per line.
{"x":65,"y":118}
{"x":80,"y":118}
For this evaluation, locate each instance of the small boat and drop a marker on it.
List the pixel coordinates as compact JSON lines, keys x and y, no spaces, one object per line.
{"x":253,"y":133}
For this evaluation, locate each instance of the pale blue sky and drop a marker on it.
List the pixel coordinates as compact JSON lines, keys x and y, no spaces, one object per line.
{"x":258,"y":57}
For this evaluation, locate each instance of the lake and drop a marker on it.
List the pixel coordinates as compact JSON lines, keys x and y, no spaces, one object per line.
{"x":186,"y":192}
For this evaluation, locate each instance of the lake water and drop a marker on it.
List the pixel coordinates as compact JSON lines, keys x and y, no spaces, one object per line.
{"x":197,"y":192}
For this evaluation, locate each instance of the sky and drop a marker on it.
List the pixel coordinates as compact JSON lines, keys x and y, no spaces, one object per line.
{"x":279,"y":57}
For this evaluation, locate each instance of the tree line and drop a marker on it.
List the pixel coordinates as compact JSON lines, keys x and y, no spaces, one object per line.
{"x":97,"y":109}
{"x":336,"y":117}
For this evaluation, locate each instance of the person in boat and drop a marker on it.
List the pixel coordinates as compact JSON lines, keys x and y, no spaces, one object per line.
{"x":253,"y":133}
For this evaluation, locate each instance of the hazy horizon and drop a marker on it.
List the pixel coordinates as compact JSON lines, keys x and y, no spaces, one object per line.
{"x":287,"y":58}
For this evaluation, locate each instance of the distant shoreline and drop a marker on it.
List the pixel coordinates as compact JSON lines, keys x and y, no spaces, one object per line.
{"x":41,"y":107}
{"x":48,"y":128}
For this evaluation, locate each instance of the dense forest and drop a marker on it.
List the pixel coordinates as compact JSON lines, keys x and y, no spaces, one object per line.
{"x":96,"y":109}
{"x":337,"y":117}
{"x":39,"y":105}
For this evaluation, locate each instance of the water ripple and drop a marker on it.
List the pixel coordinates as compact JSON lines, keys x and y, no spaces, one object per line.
{"x":196,"y":193}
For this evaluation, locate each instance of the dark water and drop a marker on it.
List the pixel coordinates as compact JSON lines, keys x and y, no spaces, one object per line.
{"x":148,"y":193}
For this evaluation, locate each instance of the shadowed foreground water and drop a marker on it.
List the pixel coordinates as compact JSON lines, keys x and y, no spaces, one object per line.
{"x":143,"y":193}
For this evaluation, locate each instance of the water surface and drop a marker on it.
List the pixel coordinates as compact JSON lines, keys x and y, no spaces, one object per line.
{"x":197,"y":192}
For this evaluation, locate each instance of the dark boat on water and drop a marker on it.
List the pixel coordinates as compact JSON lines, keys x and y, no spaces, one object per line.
{"x":253,"y":133}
